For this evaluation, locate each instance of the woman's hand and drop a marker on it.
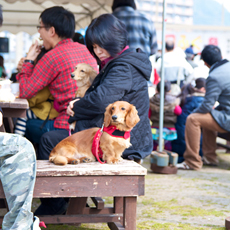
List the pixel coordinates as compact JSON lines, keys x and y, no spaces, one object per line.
{"x":69,"y":110}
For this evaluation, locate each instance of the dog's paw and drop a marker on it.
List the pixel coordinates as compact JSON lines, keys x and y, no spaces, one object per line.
{"x":113,"y":161}
{"x":75,"y":162}
{"x":85,"y":160}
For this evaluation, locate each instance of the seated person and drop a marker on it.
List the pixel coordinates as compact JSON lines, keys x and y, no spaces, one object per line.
{"x":171,"y":111}
{"x":123,"y":75}
{"x":191,"y":98}
{"x":54,"y":69}
{"x":210,"y":119}
{"x":41,"y":105}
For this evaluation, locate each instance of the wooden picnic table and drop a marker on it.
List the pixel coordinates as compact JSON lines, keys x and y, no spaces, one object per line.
{"x":123,"y":181}
{"x":17,"y":108}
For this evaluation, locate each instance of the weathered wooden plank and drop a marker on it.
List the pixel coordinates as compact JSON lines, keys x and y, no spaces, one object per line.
{"x":18,"y":103}
{"x":115,"y":226}
{"x":72,"y":219}
{"x":98,"y":202}
{"x":89,"y":186}
{"x":9,"y":112}
{"x":126,"y":167}
{"x":129,"y":217}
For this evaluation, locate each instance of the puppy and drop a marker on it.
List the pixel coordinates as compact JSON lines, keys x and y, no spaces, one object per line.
{"x":119,"y":118}
{"x":84,"y":74}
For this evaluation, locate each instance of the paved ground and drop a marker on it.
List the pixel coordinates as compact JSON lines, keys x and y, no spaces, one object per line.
{"x":186,"y":200}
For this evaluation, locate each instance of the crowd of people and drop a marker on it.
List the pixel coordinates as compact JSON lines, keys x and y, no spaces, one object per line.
{"x":118,"y":46}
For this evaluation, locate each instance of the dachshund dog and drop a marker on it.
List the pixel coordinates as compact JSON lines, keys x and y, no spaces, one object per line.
{"x":84,"y":74}
{"x":119,"y":118}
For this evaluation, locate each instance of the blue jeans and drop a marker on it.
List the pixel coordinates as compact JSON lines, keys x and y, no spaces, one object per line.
{"x":34,"y":129}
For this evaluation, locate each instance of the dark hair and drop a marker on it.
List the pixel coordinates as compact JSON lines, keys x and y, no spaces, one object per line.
{"x":78,"y":38}
{"x":1,"y":61}
{"x":61,"y":19}
{"x":108,"y":32}
{"x":211,"y":54}
{"x":189,"y":89}
{"x":118,"y":3}
{"x":200,"y":82}
{"x":167,"y":87}
{"x":1,"y":17}
{"x":185,"y":91}
{"x":169,"y":45}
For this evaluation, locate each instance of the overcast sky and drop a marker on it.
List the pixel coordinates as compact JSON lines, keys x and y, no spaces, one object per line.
{"x":226,"y":3}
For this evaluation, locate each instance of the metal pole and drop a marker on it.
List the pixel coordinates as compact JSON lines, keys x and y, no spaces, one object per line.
{"x":161,"y":118}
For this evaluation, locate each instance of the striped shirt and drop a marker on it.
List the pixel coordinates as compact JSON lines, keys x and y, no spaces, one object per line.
{"x":54,"y":69}
{"x":141,"y":31}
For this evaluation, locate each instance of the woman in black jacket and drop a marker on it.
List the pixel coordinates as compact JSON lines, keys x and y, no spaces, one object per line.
{"x":123,"y":76}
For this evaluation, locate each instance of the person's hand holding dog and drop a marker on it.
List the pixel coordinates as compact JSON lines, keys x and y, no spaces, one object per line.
{"x":69,"y":110}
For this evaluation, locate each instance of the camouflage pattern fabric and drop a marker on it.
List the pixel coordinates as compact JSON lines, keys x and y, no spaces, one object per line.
{"x":17,"y":174}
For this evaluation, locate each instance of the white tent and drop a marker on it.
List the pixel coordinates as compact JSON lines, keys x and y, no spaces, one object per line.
{"x":22,"y":15}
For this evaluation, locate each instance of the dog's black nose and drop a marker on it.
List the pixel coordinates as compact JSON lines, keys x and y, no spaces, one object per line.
{"x":72,"y":75}
{"x":114,"y":117}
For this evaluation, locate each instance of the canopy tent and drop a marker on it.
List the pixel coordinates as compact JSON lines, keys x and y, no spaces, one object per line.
{"x":22,"y":15}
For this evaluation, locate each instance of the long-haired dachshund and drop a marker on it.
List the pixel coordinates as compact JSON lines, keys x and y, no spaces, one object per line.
{"x":84,"y":74}
{"x":120,"y":117}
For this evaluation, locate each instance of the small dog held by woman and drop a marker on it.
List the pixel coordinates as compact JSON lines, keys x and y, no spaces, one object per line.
{"x":119,"y":119}
{"x":84,"y":74}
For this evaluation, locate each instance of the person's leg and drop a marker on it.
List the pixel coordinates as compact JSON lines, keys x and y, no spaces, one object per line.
{"x":194,"y":123}
{"x":51,"y":206}
{"x":35,"y":128}
{"x":48,"y":141}
{"x":18,"y":174}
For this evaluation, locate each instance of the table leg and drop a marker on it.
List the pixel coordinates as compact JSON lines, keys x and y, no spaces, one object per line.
{"x":76,"y":205}
{"x":129,"y":213}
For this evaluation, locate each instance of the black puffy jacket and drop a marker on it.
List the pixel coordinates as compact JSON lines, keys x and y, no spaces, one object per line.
{"x":124,"y":78}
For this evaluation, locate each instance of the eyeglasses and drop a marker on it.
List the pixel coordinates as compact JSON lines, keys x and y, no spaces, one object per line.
{"x":39,"y":27}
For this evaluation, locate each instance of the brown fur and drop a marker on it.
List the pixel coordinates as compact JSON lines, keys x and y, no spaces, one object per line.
{"x":84,"y":74}
{"x":77,"y":148}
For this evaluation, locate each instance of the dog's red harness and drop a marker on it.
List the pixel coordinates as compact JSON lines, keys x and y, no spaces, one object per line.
{"x":111,"y":130}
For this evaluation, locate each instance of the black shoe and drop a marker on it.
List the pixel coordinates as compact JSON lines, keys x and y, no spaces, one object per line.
{"x":58,"y":208}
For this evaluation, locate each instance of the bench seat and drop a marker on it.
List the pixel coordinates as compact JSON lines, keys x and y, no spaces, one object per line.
{"x":123,"y":181}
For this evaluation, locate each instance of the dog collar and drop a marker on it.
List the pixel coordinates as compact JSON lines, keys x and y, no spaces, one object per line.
{"x":111,"y":130}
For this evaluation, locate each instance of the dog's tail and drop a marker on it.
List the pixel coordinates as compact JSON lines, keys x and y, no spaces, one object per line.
{"x":58,"y":160}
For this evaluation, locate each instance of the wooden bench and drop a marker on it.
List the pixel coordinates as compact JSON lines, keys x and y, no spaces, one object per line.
{"x":124,"y":182}
{"x":225,"y":136}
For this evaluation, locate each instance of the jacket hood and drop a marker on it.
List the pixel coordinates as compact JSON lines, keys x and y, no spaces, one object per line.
{"x":138,"y":59}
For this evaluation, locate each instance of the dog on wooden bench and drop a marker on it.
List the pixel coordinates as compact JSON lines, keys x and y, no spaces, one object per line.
{"x":119,"y":118}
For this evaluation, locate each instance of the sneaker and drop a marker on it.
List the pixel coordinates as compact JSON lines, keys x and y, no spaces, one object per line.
{"x":37,"y":224}
{"x":183,"y":166}
{"x":208,"y":163}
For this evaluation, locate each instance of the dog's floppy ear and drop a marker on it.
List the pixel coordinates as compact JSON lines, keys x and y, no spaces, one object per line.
{"x":92,"y":75}
{"x":132,"y":117}
{"x":107,"y":115}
